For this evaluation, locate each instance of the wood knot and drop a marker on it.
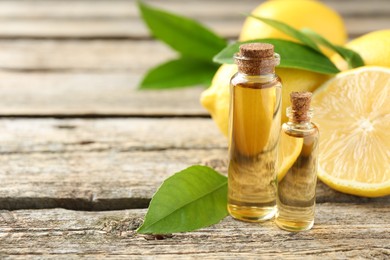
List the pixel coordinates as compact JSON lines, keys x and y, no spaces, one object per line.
{"x":124,"y":228}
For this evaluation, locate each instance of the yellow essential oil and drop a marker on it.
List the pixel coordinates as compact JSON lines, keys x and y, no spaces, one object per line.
{"x":297,"y":189}
{"x":254,"y":128}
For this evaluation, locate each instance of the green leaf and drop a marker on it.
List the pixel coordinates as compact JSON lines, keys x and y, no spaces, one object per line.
{"x":187,"y":36}
{"x":293,"y":55}
{"x":191,"y":199}
{"x":290,"y":31}
{"x":351,"y":57}
{"x":181,"y":72}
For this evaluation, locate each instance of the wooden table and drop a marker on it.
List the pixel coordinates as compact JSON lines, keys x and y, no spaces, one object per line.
{"x":82,"y":151}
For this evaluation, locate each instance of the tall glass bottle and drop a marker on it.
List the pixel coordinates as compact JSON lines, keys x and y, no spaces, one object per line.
{"x":297,"y":189}
{"x":254,"y":129}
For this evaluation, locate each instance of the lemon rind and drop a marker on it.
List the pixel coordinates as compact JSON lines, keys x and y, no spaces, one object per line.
{"x":371,"y":190}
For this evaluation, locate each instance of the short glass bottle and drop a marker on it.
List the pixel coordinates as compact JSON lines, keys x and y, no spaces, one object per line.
{"x":297,"y":188}
{"x":254,"y":128}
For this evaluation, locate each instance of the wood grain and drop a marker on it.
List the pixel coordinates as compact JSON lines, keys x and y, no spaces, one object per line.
{"x":340,"y":231}
{"x":61,"y":9}
{"x":108,"y":163}
{"x":88,"y":55}
{"x":120,"y":19}
{"x":135,"y":29}
{"x":73,"y":164}
{"x":91,"y":94}
{"x":83,"y":59}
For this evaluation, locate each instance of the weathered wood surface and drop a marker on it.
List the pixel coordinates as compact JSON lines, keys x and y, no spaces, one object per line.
{"x":73,"y":164}
{"x":120,"y":8}
{"x":90,"y":94}
{"x":73,"y":78}
{"x":88,"y":55}
{"x":134,"y":29}
{"x":120,"y":19}
{"x":108,"y":163}
{"x":80,"y":61}
{"x":340,"y":231}
{"x":90,"y":78}
{"x":99,"y":77}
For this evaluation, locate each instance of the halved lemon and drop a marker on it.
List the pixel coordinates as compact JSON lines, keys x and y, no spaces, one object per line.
{"x":289,"y":150}
{"x":352,"y":111}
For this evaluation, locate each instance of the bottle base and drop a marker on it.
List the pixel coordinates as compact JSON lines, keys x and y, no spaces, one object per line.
{"x":251,"y":213}
{"x":294,"y":226}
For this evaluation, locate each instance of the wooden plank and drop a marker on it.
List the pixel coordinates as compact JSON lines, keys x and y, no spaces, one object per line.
{"x":341,"y":231}
{"x":109,"y":55}
{"x":61,"y":9}
{"x":98,"y":164}
{"x":85,"y":180}
{"x":25,"y":136}
{"x":135,"y":29}
{"x":90,"y":94}
{"x":47,"y":19}
{"x":365,"y":25}
{"x":96,"y":28}
{"x":107,"y":164}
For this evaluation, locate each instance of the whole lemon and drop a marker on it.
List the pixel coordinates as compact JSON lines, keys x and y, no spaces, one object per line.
{"x":298,"y":14}
{"x":374,"y":48}
{"x":297,"y":80}
{"x":216,"y":98}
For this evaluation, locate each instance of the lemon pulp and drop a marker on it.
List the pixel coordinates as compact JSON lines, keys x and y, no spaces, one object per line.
{"x":352,"y":112}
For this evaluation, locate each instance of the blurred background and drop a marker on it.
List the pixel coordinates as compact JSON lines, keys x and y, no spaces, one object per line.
{"x":86,"y":57}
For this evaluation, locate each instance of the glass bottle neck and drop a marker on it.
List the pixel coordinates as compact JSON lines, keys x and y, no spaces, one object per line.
{"x":299,"y":118}
{"x":268,"y":71}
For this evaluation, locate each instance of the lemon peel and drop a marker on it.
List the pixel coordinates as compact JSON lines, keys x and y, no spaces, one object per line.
{"x":353,"y":114}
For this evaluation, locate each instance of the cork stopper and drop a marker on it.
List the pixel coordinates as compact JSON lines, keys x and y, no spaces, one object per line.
{"x":300,"y":106}
{"x":257,"y":50}
{"x":256,"y":58}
